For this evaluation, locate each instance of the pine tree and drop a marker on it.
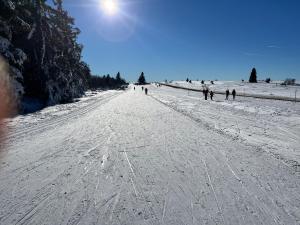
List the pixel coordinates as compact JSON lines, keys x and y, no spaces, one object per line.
{"x":118,"y":78}
{"x":253,"y":76}
{"x":58,"y":3}
{"x":47,"y":38}
{"x":142,"y":79}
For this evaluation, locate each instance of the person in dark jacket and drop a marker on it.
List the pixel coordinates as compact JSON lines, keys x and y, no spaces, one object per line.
{"x":211,"y":95}
{"x":227,"y":94}
{"x":206,"y":94}
{"x":146,"y":91}
{"x":233,"y":94}
{"x":142,"y":88}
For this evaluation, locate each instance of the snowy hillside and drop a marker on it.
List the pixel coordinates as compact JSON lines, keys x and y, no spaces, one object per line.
{"x":261,"y":88}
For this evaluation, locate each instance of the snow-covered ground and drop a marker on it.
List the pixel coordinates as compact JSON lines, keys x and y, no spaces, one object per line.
{"x":57,"y":111}
{"x":260,"y":88}
{"x":167,"y":158}
{"x":271,"y":125}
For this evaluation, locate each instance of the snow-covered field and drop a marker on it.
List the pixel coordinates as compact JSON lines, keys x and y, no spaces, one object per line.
{"x":272,"y":125}
{"x":167,"y":158}
{"x":260,"y":88}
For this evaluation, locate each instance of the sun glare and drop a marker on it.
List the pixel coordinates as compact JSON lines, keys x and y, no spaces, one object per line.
{"x":110,"y":7}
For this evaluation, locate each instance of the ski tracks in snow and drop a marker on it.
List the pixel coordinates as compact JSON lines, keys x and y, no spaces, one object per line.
{"x":134,"y":161}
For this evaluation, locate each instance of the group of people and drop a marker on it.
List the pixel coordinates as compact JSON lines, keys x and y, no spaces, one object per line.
{"x":211,"y":93}
{"x":146,"y":90}
{"x":205,"y":93}
{"x":228,"y":93}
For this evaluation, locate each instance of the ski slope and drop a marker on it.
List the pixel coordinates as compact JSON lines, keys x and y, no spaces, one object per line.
{"x":127,"y":158}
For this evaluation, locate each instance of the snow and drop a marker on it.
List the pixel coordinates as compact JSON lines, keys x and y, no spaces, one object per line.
{"x":272,"y":125}
{"x":166,"y":158}
{"x":4,"y":44}
{"x":33,"y":29}
{"x":261,"y":88}
{"x":17,"y":77}
{"x":52,"y":112}
{"x":11,"y":5}
{"x":20,"y":57}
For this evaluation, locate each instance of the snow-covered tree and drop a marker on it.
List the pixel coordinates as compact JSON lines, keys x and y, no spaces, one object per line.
{"x":39,"y":43}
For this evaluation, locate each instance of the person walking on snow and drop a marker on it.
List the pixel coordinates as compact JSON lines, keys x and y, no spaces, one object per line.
{"x":227,"y":94}
{"x":211,"y":95}
{"x":146,"y":91}
{"x":142,"y":88}
{"x":206,"y":94}
{"x":233,"y":94}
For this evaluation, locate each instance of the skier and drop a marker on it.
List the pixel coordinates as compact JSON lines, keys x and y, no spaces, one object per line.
{"x":133,"y":88}
{"x":146,"y":91}
{"x":227,"y":94}
{"x":142,"y":88}
{"x":211,"y":95}
{"x":233,"y":94}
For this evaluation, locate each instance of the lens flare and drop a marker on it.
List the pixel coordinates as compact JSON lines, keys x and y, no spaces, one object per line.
{"x":110,"y":7}
{"x":117,"y":23}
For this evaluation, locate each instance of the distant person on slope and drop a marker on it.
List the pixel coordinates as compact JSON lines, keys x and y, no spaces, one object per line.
{"x":211,"y":95}
{"x":233,"y":94}
{"x":134,"y":88}
{"x":206,"y":94}
{"x":142,"y":88}
{"x":146,"y":91}
{"x":227,"y":94}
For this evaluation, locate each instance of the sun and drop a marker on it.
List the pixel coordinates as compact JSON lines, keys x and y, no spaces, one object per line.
{"x":110,"y":7}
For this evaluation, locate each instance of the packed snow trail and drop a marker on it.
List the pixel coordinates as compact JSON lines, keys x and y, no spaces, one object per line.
{"x":132,"y":160}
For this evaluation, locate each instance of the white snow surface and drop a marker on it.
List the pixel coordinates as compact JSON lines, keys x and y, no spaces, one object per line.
{"x":166,"y":158}
{"x":261,"y":88}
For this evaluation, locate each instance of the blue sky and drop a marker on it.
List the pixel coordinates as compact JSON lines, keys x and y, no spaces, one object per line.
{"x":199,"y":39}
